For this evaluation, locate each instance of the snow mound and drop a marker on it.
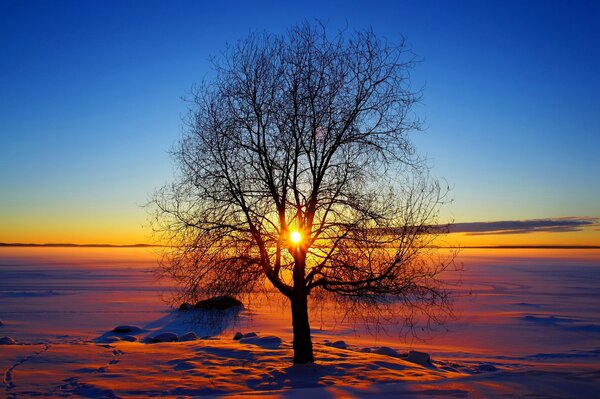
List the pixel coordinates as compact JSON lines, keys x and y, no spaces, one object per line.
{"x":165,"y":337}
{"x":238,"y":335}
{"x":266,"y":342}
{"x":125,"y":329}
{"x":190,"y":336}
{"x":417,"y":357}
{"x":338,"y":344}
{"x":7,"y":341}
{"x":387,"y":351}
{"x":219,"y":303}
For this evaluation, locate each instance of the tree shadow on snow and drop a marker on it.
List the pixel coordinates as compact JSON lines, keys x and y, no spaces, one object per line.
{"x":296,"y":376}
{"x":204,"y":323}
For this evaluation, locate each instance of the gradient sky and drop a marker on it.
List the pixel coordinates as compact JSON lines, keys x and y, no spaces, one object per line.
{"x":90,"y":104}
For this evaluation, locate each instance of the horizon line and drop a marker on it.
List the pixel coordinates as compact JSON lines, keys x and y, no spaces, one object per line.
{"x":21,"y":244}
{"x":142,"y":245}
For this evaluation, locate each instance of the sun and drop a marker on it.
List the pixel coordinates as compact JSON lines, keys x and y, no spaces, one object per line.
{"x":295,"y":236}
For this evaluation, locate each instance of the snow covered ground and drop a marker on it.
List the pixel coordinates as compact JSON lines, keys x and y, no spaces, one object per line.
{"x":528,"y":324}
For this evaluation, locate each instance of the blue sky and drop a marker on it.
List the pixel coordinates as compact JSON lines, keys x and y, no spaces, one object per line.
{"x":91,"y":103}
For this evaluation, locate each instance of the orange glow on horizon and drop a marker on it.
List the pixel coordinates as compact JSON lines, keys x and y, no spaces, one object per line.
{"x":126,"y":228}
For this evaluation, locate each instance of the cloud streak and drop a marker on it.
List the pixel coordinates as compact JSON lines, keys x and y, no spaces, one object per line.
{"x":557,"y":225}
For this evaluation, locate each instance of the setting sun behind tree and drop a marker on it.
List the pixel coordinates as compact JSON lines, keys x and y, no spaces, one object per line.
{"x":295,"y":237}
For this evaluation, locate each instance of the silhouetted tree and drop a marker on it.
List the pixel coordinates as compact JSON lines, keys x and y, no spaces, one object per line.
{"x":297,"y":170}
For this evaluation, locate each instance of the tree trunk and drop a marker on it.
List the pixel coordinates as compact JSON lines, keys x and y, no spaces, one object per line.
{"x":303,"y":351}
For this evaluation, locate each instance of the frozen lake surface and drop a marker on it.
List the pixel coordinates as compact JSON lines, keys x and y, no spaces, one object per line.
{"x":520,"y":310}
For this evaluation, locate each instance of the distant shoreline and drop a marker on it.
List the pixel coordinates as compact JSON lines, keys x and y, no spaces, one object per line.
{"x":527,"y":247}
{"x":68,"y":245}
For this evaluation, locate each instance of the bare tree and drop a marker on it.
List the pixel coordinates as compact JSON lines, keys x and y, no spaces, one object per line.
{"x":297,"y":172}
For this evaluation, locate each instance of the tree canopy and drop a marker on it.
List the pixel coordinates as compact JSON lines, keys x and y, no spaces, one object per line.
{"x":297,"y":172}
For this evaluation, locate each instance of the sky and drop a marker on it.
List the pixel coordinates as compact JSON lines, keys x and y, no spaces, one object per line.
{"x":91,"y":103}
